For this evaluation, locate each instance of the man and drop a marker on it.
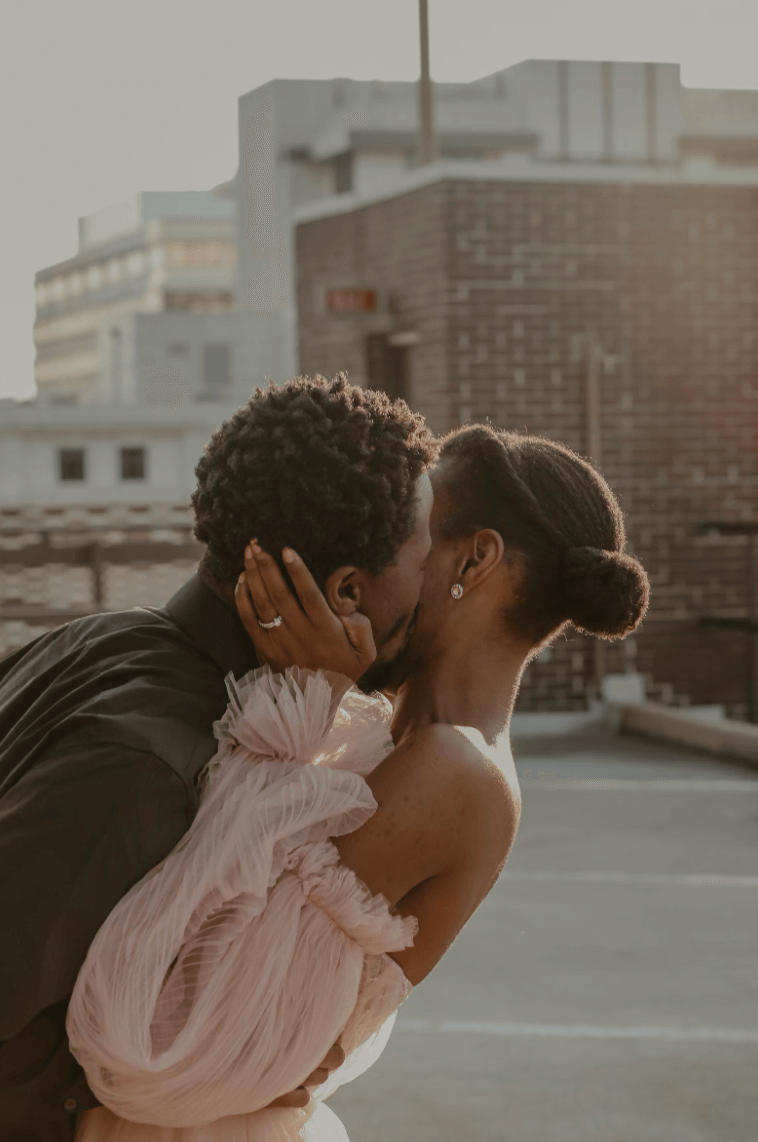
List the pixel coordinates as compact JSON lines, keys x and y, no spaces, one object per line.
{"x":106,"y":722}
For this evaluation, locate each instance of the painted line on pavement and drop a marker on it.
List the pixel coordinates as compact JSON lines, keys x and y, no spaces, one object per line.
{"x":658,"y":784}
{"x":674,"y":879}
{"x":582,"y":1031}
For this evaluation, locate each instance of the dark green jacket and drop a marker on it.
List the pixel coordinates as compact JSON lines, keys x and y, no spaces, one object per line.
{"x":104,"y":725}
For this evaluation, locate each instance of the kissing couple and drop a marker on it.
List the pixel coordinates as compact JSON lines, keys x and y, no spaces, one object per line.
{"x":226,"y":857}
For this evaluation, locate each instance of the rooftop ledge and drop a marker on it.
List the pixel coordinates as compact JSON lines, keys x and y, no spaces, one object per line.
{"x":624,"y":707}
{"x":694,"y":171}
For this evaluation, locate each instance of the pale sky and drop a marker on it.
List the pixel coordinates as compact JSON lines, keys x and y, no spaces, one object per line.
{"x":103,"y":98}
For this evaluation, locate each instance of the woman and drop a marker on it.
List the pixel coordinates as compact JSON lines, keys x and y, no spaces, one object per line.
{"x":329,"y":868}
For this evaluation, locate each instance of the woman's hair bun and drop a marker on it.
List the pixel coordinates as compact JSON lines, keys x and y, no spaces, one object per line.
{"x":606,"y":593}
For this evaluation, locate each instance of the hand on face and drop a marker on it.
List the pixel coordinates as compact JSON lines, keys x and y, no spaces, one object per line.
{"x":309,"y":634}
{"x":363,"y":609}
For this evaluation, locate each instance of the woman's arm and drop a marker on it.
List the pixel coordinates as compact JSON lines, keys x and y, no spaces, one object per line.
{"x":445,"y":823}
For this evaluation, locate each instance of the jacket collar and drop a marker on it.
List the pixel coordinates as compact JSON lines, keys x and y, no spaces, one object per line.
{"x":213,"y":626}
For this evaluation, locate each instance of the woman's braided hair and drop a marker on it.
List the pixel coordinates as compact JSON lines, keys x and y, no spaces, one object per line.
{"x":557,"y":510}
{"x":322,"y":466}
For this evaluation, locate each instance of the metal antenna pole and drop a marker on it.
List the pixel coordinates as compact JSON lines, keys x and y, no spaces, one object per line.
{"x":428,"y":151}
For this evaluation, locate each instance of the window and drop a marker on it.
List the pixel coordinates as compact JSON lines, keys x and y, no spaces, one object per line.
{"x":132,"y":463}
{"x":343,"y":173}
{"x":387,"y":366}
{"x":215,"y":369}
{"x":71,"y":463}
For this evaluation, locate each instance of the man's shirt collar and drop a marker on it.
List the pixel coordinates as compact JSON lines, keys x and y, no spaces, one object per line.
{"x":214,"y":626}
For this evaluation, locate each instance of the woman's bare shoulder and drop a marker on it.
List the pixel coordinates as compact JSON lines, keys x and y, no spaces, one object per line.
{"x":446,"y":781}
{"x":448,"y":755}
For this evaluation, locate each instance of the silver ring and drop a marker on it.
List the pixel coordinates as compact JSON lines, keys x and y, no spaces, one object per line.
{"x":277,"y":622}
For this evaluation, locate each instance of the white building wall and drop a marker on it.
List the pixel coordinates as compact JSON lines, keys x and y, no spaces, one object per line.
{"x":629,"y":112}
{"x":31,"y":437}
{"x":536,"y":86}
{"x":376,"y":171}
{"x":585,"y":110}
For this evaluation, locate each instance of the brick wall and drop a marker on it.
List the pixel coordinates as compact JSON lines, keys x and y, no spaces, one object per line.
{"x":508,"y":284}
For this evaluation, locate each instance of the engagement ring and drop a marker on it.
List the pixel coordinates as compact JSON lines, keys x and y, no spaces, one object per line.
{"x":277,"y":622}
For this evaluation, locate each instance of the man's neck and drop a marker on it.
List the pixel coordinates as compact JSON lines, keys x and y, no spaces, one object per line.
{"x":222,"y":591}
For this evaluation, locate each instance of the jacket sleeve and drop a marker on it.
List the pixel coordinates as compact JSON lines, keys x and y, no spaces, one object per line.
{"x":76,"y":832}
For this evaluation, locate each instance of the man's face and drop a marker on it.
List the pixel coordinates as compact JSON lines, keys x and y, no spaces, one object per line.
{"x":390,"y":600}
{"x":440,"y":573}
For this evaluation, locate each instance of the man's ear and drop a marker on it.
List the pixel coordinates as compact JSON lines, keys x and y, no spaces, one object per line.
{"x":482,"y":557}
{"x":342,"y":590}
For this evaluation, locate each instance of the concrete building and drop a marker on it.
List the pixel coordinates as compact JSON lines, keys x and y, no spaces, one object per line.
{"x":96,"y":457}
{"x":324,"y":146}
{"x":154,"y":253}
{"x":93,"y":490}
{"x":596,"y":292}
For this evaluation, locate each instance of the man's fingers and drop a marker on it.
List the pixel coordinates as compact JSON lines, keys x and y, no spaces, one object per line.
{"x":335,"y":1058}
{"x":295,"y":1098}
{"x":317,"y":1077}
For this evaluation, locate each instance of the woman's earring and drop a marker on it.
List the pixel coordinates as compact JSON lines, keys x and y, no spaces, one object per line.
{"x":456,"y":590}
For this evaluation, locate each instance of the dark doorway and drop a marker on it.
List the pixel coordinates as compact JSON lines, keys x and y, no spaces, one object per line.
{"x":387,"y":366}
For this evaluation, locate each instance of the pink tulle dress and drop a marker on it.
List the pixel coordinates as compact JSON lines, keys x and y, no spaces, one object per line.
{"x":221,"y":980}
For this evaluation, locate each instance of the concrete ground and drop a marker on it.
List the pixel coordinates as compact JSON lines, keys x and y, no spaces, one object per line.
{"x":607,"y":989}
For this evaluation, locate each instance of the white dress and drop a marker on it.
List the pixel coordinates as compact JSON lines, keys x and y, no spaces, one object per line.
{"x":221,"y":980}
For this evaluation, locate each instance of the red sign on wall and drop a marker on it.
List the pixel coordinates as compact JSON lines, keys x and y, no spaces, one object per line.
{"x":350,"y":300}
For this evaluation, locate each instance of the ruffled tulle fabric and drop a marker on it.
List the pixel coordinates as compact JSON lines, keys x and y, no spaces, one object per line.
{"x":222,"y":978}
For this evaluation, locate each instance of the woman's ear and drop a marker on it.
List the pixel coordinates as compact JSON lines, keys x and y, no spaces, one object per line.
{"x":483,"y":556}
{"x":342,"y":590}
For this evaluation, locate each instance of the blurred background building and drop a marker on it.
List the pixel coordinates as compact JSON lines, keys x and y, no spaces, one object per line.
{"x":580,"y":260}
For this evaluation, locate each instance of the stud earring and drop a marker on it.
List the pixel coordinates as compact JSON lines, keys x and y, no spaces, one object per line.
{"x":456,"y":590}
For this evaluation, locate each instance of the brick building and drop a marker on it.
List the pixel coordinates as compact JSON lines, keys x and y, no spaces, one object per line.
{"x":513,"y":296}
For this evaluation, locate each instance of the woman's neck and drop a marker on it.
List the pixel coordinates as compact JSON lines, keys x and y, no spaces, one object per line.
{"x":476,"y":687}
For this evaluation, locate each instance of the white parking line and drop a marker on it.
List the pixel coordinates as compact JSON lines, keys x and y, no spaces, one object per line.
{"x":582,"y":1031}
{"x":675,"y":879}
{"x":657,"y":784}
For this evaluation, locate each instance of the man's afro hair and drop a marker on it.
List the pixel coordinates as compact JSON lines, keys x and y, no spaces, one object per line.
{"x":323,"y":466}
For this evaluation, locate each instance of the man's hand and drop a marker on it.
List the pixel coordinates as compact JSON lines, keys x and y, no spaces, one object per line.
{"x":310,"y":634}
{"x":301,"y":1096}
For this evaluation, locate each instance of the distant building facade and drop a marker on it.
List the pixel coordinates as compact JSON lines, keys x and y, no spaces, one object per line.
{"x":511,"y":290}
{"x":89,"y":479}
{"x":154,"y":253}
{"x":588,"y":227}
{"x":330,"y":145}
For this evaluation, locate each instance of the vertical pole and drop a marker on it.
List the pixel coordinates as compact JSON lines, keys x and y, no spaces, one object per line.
{"x":592,"y":443}
{"x":651,"y":111}
{"x":593,"y":450}
{"x":428,"y":150}
{"x":564,"y":111}
{"x":96,"y":565}
{"x":752,"y":602}
{"x":607,"y":73}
